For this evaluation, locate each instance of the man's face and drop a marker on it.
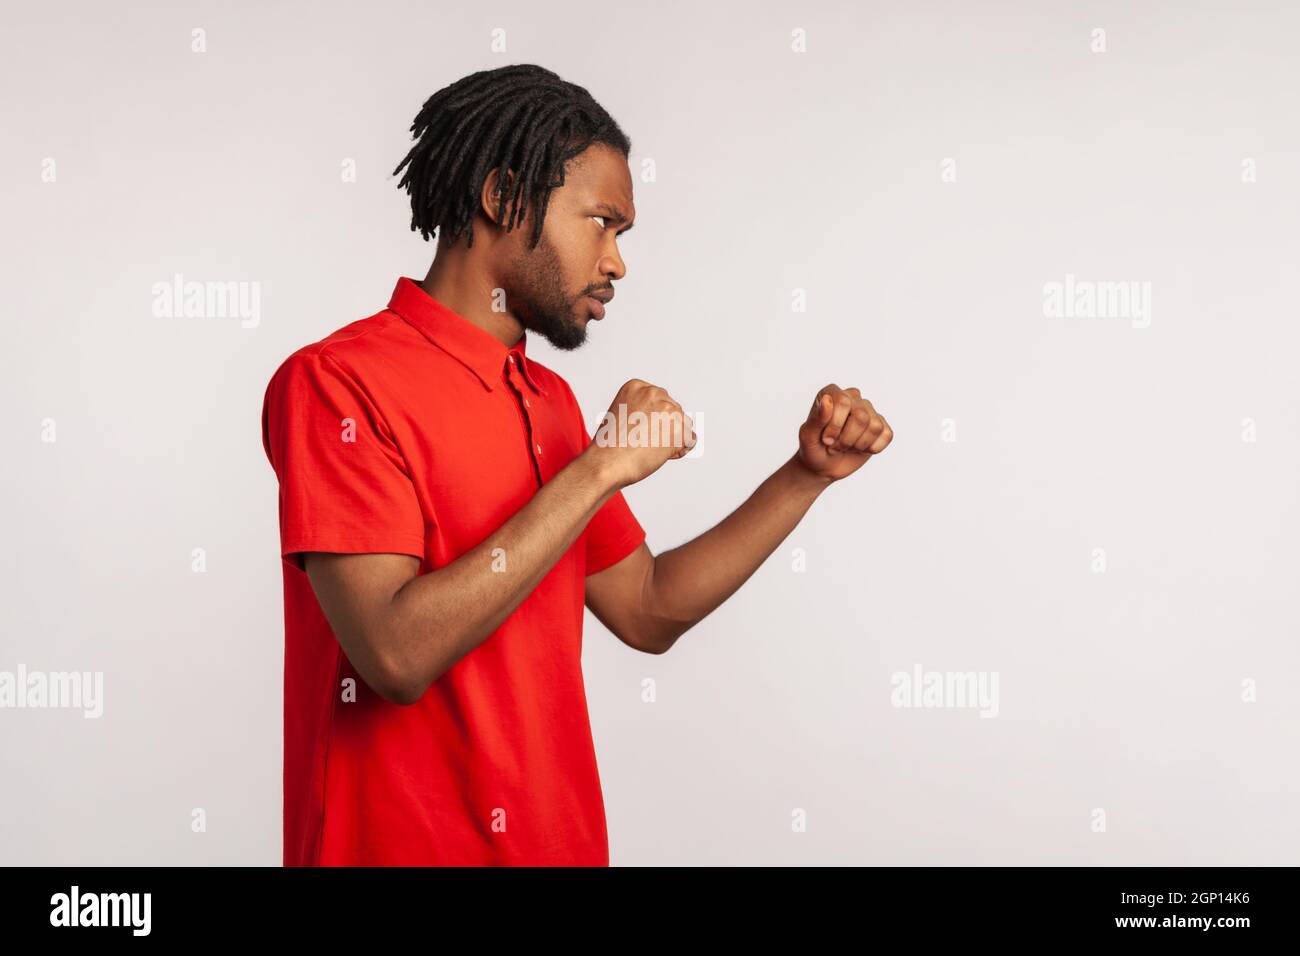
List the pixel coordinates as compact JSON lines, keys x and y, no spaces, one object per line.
{"x":549,"y":288}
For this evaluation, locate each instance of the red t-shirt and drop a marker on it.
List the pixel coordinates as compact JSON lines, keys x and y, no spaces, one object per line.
{"x":416,"y":432}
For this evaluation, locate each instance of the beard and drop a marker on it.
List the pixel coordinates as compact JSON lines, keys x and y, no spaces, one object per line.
{"x":536,"y":297}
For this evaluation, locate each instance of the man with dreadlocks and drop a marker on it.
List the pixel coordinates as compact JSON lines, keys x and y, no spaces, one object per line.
{"x":444,"y":515}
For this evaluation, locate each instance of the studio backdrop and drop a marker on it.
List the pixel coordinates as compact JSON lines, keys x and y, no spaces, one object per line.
{"x":1054,"y":244}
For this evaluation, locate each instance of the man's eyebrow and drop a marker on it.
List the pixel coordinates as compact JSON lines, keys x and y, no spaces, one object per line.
{"x":613,"y":213}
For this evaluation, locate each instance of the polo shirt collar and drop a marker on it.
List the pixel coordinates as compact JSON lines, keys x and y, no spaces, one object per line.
{"x":477,"y":349}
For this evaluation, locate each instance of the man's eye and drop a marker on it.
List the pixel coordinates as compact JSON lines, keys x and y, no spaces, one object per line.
{"x":603,"y":225}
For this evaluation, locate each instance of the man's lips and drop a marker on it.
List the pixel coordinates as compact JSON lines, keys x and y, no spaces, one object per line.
{"x":597,"y":307}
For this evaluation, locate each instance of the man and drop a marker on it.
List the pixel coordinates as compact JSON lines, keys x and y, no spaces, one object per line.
{"x":444,"y":515}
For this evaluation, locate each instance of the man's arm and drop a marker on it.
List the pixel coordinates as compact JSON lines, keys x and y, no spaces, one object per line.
{"x":648,"y":601}
{"x":402,"y":630}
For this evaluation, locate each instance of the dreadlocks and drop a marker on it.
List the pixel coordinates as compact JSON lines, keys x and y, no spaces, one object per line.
{"x":522,"y":119}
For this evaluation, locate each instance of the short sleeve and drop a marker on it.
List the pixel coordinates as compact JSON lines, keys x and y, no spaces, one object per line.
{"x":344,"y":484}
{"x":613,"y":532}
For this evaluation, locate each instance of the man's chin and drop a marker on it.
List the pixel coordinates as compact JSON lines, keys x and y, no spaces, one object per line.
{"x":568,"y":345}
{"x":567,"y":338}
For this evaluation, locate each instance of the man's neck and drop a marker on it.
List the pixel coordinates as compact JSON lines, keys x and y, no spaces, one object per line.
{"x":454,"y":282}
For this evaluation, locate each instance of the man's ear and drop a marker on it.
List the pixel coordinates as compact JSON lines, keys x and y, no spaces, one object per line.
{"x":490,"y":199}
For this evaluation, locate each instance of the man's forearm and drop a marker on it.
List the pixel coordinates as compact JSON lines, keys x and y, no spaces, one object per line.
{"x":440,"y":617}
{"x":689,"y":581}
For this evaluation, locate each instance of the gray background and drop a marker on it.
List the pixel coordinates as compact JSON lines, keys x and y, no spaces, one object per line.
{"x":776,"y":171}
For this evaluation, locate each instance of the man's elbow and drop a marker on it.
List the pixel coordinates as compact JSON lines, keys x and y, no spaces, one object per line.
{"x":394,"y":686}
{"x":404,"y":695}
{"x":657,"y":641}
{"x":401,"y":680}
{"x":654,"y":631}
{"x":396,"y":680}
{"x":400,"y":677}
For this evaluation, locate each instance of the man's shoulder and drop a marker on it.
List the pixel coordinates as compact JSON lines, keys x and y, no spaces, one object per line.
{"x":350,"y":349}
{"x":356,"y":341}
{"x":348,"y":361}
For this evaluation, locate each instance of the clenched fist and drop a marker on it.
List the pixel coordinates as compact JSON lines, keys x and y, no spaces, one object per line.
{"x":841,"y":432}
{"x":643,"y":428}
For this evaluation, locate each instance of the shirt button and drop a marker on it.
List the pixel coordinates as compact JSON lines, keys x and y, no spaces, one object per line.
{"x":539,"y":449}
{"x":526,"y":404}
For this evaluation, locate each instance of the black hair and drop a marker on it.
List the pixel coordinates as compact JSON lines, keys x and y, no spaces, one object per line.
{"x":522,"y":119}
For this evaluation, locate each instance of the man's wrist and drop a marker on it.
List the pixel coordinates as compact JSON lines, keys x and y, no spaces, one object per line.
{"x":600,"y":470}
{"x":804,"y":479}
